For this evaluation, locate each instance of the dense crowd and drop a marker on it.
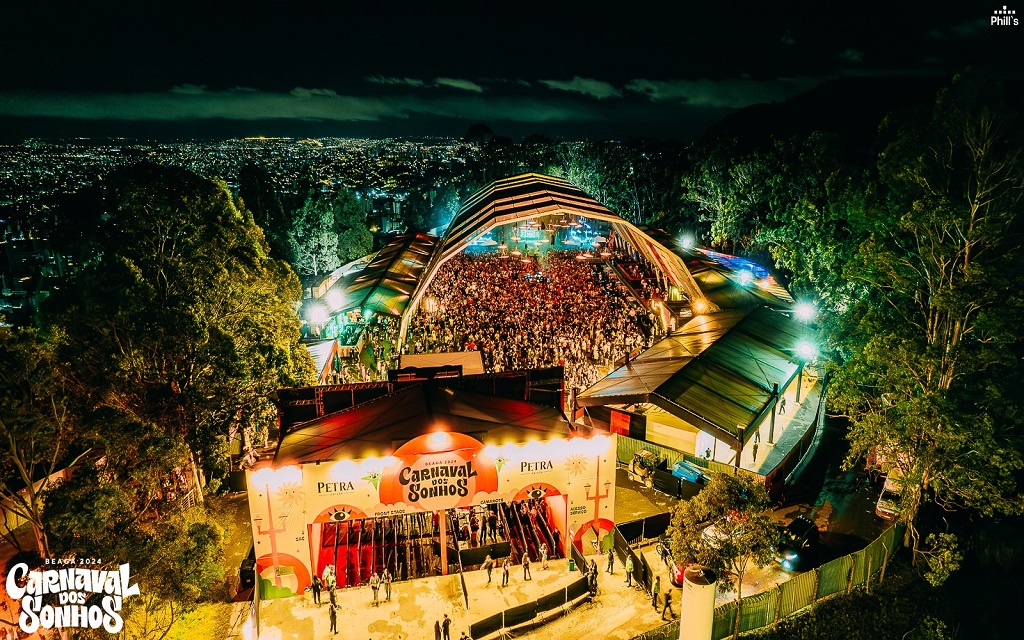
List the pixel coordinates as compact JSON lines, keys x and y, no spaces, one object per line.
{"x":562,"y":311}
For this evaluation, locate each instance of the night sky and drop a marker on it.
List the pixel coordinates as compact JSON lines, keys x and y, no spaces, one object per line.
{"x":369,"y":68}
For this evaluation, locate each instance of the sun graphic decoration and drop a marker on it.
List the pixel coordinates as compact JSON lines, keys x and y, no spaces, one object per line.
{"x":289,"y":497}
{"x":576,"y":465}
{"x":373,"y":478}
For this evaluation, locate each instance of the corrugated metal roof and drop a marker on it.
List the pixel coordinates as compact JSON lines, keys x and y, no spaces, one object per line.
{"x":387,"y":283}
{"x":716,"y":373}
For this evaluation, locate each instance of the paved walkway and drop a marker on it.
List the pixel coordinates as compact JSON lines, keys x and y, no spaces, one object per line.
{"x":618,"y":611}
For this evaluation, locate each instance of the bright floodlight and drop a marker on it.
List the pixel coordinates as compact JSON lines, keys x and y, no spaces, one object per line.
{"x":334,"y":299}
{"x":699,"y":306}
{"x":805,"y":311}
{"x":687,"y":242}
{"x":316,"y":314}
{"x":805,"y":350}
{"x":746,"y":277}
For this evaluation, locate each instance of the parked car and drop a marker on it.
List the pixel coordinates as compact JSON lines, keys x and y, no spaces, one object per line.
{"x":247,"y":571}
{"x":797,"y":543}
{"x":888,"y":506}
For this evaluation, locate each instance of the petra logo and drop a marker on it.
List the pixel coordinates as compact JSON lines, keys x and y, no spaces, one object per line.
{"x":1003,"y":18}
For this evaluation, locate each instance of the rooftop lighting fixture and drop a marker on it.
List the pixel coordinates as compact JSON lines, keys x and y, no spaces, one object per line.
{"x":805,"y":311}
{"x":687,"y":242}
{"x":316,"y":314}
{"x":699,"y":306}
{"x":805,"y":350}
{"x":334,"y":299}
{"x":746,"y":278}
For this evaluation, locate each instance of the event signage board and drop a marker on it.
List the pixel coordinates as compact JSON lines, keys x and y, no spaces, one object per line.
{"x":441,"y":470}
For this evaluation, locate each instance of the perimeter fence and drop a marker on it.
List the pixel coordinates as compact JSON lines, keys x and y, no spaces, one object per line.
{"x":839,"y":576}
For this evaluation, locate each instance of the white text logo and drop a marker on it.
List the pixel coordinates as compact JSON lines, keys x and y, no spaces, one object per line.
{"x":73,"y":586}
{"x":1004,"y":18}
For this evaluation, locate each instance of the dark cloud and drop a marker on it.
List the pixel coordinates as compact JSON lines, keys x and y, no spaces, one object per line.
{"x":299,"y":103}
{"x":459,"y":83}
{"x":587,"y":86}
{"x":855,"y":56}
{"x":730,"y":94}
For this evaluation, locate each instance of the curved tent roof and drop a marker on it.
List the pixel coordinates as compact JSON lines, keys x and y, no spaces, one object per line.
{"x":533,"y":195}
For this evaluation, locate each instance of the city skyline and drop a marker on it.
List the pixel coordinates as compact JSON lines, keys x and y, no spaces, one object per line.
{"x":582,"y":71}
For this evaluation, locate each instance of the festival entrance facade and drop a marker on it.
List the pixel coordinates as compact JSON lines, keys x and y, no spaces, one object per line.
{"x":410,"y":480}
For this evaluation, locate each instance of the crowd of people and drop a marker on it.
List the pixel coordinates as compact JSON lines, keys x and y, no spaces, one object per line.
{"x":553,"y":310}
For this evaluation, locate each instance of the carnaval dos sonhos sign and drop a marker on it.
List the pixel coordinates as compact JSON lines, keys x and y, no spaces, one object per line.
{"x":440,"y":470}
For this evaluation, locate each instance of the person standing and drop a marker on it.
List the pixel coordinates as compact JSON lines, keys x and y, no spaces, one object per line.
{"x":611,"y":561}
{"x":316,"y":590}
{"x":437,"y":630}
{"x":526,"y":567}
{"x":492,"y":525}
{"x":782,"y":404}
{"x":375,"y":585}
{"x":334,"y":619}
{"x":655,"y":590}
{"x":445,"y":627}
{"x":668,"y":606}
{"x":543,"y":555}
{"x":504,"y":572}
{"x":386,"y":581}
{"x":334,"y":601}
{"x":629,"y":570}
{"x":488,"y":565}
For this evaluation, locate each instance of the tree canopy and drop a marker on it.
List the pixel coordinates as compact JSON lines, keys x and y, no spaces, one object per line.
{"x":184,"y":322}
{"x":930,"y":375}
{"x":725,"y":527}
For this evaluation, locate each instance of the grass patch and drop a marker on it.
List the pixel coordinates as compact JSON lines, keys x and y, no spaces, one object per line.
{"x":211,"y":620}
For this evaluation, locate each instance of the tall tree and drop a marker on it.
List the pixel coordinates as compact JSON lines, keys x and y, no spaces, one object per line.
{"x":724,"y":528}
{"x":40,"y":428}
{"x":258,"y":193}
{"x":933,"y":351}
{"x":315,"y":237}
{"x":185,"y":322}
{"x":815,"y":217}
{"x":729,"y":189}
{"x":354,"y":237}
